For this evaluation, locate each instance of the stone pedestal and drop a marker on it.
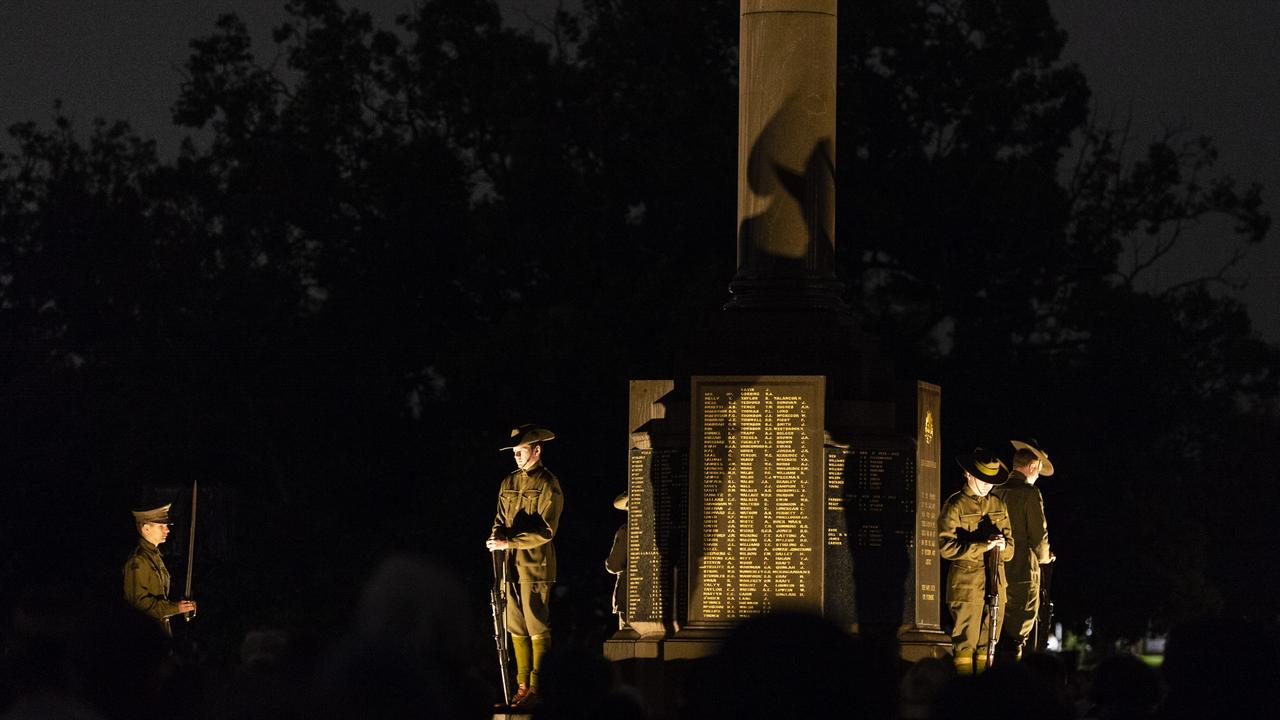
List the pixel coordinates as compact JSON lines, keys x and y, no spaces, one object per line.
{"x":657,"y":519}
{"x":760,"y":507}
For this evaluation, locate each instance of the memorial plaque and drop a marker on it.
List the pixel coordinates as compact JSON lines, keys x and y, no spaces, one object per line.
{"x":838,"y":590}
{"x":890,"y":500}
{"x":881,"y":492}
{"x":880,"y":502}
{"x":927,"y":598}
{"x":656,"y":533}
{"x":657,"y":490}
{"x":756,"y":496}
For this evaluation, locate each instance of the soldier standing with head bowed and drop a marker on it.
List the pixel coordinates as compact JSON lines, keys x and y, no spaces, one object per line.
{"x":616,"y":563}
{"x":1031,"y":534}
{"x":529,"y":505}
{"x":972,"y":522}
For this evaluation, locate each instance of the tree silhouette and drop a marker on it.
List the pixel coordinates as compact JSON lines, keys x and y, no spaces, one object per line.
{"x":383,"y":245}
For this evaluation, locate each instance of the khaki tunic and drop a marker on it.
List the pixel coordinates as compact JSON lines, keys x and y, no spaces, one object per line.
{"x":1031,"y":534}
{"x":960,"y":542}
{"x":146,"y":584}
{"x":529,"y":505}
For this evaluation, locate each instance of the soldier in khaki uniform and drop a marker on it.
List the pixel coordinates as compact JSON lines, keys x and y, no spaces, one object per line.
{"x":972,"y":522}
{"x":616,"y":563}
{"x":529,"y":505}
{"x":146,"y":579}
{"x":1031,"y":535}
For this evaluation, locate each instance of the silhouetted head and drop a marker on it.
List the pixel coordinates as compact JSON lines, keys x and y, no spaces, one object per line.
{"x":578,"y":683}
{"x":921,"y":686}
{"x":409,"y":654}
{"x":790,"y":664}
{"x":1011,"y":690}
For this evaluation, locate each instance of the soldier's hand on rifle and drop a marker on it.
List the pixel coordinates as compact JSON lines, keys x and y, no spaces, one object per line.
{"x":186,"y":606}
{"x":496,"y":544}
{"x":995,"y":541}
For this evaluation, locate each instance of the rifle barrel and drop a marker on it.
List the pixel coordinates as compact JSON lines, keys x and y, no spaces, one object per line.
{"x":992,"y":563}
{"x":498,"y":606}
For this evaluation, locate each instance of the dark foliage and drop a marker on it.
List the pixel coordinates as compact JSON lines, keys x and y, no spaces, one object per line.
{"x":387,"y":245}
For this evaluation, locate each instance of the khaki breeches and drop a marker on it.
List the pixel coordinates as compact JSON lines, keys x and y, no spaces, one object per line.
{"x":528,"y":612}
{"x":1024,"y":603}
{"x":970,"y":632}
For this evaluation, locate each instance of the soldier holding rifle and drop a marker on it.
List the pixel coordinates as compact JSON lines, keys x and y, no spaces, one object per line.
{"x":529,"y":505}
{"x":1031,"y":533}
{"x":973,"y":522}
{"x":146,"y":579}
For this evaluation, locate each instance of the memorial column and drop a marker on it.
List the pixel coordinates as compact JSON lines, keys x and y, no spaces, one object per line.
{"x":786,"y":157}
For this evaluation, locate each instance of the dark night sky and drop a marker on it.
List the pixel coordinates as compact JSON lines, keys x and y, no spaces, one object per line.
{"x":1203,"y":67}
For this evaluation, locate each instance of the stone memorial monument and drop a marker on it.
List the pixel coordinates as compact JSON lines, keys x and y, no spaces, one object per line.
{"x":785,"y":466}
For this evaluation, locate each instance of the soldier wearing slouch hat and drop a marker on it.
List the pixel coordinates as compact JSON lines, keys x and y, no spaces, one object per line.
{"x":529,"y":505}
{"x":1031,"y":533}
{"x":972,"y":522}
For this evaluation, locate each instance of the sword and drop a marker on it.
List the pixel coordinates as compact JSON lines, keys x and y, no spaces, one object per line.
{"x":191,"y":547}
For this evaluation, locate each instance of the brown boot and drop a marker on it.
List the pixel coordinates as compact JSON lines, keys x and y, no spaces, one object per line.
{"x":529,"y":700}
{"x":522,"y":691}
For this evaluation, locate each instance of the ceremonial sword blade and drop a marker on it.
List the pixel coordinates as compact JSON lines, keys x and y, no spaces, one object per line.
{"x":191,"y":543}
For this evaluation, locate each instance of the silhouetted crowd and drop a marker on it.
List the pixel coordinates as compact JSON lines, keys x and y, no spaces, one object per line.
{"x":412,"y":651}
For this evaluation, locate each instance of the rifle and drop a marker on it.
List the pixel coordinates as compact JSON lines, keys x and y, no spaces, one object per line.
{"x":498,"y":606}
{"x":1044,"y":618}
{"x":191,"y":548}
{"x":991,"y":561}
